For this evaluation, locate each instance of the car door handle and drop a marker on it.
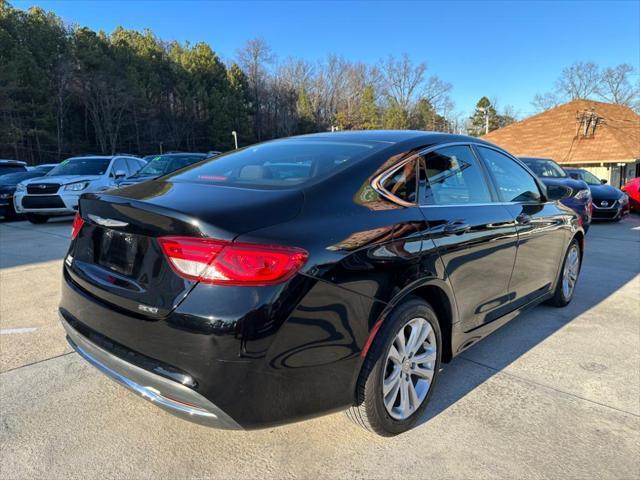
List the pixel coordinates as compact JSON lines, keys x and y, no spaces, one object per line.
{"x":456,"y":227}
{"x":523,"y":218}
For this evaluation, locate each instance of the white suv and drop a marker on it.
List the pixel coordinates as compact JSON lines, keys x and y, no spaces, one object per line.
{"x":57,"y":192}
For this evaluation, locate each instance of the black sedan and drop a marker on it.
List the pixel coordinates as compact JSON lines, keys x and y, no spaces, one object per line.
{"x":159,"y":165}
{"x":552,"y":174}
{"x":9,"y":182}
{"x":312,"y":274}
{"x":609,"y":203}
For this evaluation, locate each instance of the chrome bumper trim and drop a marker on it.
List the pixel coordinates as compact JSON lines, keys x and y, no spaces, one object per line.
{"x":169,"y":395}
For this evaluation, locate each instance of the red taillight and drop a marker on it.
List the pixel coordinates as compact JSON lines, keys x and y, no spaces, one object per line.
{"x":78,"y":222}
{"x":228,"y":263}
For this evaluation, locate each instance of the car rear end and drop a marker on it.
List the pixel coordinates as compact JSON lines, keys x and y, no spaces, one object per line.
{"x":144,"y":301}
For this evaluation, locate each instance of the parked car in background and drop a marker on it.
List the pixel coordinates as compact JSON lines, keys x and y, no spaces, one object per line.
{"x":57,"y":193}
{"x":609,"y":203}
{"x":12,"y":166}
{"x":162,"y":165}
{"x":236,"y":297}
{"x":552,"y":174}
{"x":632,"y":189}
{"x":9,"y":182}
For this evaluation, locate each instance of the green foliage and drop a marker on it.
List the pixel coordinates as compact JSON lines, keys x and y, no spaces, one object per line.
{"x":369,"y":112}
{"x":66,"y":91}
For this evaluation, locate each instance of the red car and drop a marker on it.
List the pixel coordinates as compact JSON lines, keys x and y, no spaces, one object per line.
{"x":632,"y":188}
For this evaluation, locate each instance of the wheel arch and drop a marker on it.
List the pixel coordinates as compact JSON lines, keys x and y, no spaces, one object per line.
{"x":438,"y":294}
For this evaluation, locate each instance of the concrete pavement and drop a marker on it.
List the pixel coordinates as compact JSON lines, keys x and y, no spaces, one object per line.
{"x":553,"y":394}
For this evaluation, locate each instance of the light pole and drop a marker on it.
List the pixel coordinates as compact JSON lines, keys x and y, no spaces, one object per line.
{"x":235,"y":138}
{"x":160,"y":148}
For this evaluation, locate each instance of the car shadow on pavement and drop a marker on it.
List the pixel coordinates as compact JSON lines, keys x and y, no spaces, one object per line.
{"x":496,"y":352}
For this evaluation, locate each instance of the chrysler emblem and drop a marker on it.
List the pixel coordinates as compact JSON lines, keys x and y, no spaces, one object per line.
{"x":106,"y":222}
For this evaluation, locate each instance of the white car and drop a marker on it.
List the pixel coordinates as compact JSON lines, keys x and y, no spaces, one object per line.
{"x":57,"y":192}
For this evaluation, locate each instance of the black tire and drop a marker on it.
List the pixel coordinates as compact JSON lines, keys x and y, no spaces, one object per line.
{"x":37,"y":219}
{"x":369,"y":411}
{"x":559,"y":298}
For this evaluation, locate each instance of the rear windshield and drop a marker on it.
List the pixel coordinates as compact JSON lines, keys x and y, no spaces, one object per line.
{"x":82,"y":166}
{"x":279,"y":164}
{"x":545,"y":168}
{"x":163,"y":164}
{"x":11,"y":168}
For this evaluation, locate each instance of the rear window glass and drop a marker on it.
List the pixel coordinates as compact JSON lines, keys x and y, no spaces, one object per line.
{"x":279,"y":164}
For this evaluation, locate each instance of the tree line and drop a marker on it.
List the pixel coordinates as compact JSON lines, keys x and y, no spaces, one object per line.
{"x":70,"y":90}
{"x":67,"y":90}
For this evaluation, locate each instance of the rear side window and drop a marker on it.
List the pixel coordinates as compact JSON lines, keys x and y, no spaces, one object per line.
{"x":403,"y":183}
{"x":279,"y":164}
{"x":513,"y":182}
{"x":454,"y":177}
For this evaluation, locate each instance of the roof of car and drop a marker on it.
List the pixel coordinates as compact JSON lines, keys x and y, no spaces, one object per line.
{"x":13,"y":162}
{"x":537,"y":158}
{"x":394,"y":136}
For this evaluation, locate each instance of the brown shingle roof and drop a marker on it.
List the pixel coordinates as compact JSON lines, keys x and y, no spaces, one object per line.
{"x":554,"y":134}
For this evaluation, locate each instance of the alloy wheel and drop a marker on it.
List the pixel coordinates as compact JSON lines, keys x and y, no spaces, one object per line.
{"x":409,"y":368}
{"x":571,"y":270}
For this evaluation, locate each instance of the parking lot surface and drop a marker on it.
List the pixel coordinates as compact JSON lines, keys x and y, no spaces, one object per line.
{"x":553,"y":394}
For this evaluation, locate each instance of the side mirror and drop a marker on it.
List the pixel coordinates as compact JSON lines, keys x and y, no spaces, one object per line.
{"x":558,"y":192}
{"x":120,"y":174}
{"x":603,"y":181}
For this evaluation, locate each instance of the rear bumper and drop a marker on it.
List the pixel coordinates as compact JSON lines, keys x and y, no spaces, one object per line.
{"x":169,"y":395}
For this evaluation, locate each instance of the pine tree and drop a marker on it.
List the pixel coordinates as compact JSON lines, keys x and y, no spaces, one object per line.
{"x":478,"y":119}
{"x":369,"y":113}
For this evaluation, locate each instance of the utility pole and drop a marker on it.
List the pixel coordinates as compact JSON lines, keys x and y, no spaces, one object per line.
{"x":486,"y":118}
{"x":235,"y":138}
{"x":160,"y":148}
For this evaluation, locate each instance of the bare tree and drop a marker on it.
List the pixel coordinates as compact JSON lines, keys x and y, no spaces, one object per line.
{"x":616,"y":86}
{"x":401,"y":80}
{"x":580,"y":80}
{"x":436,"y":91}
{"x":254,"y":58}
{"x":545,"y":101}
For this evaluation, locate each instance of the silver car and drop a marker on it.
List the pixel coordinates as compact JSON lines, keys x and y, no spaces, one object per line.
{"x":57,"y":193}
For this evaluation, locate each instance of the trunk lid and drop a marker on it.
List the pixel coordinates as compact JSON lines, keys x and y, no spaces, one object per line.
{"x":116,"y":256}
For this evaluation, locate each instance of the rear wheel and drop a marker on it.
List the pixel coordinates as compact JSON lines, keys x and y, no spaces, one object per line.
{"x":35,"y":218}
{"x":568,"y":276}
{"x":400,"y":370}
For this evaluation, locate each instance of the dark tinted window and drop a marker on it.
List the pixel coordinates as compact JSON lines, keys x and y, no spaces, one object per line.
{"x":11,"y":169}
{"x":544,"y":168}
{"x":513,"y":182}
{"x":164,"y":164}
{"x":82,"y":166}
{"x":403,"y":183}
{"x":454,"y":177}
{"x":280,"y":164}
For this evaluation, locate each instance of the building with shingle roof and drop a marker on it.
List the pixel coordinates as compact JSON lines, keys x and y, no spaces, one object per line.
{"x":601,"y":137}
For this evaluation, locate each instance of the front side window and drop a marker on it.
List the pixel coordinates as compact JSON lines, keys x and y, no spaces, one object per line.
{"x":119,"y":165}
{"x":403,"y":183}
{"x":513,"y":182}
{"x":454,"y":177}
{"x":590,"y":178}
